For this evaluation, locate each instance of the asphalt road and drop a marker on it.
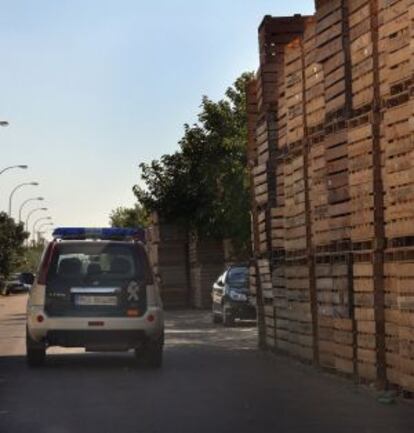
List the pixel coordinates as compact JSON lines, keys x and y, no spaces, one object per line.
{"x":213,"y":380}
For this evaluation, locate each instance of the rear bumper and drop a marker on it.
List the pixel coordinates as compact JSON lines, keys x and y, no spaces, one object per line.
{"x":82,"y":331}
{"x":97,"y":340}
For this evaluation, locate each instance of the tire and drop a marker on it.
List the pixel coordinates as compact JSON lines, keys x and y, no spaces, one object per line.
{"x":35,"y":352}
{"x":228,"y":317}
{"x":151,"y":354}
{"x":217,"y":318}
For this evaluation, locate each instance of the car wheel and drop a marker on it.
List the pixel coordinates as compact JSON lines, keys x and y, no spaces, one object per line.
{"x":228,"y":317}
{"x":151,"y":354}
{"x":217,"y":318}
{"x":35,"y":352}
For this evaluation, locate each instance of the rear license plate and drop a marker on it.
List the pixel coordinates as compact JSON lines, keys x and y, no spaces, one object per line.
{"x":96,"y":300}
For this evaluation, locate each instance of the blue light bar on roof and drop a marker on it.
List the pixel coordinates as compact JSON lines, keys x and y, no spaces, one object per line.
{"x":111,"y":233}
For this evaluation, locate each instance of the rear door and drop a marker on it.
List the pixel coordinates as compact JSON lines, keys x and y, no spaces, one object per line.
{"x":96,"y":279}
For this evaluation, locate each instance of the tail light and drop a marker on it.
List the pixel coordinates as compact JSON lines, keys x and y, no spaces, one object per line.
{"x":45,"y":263}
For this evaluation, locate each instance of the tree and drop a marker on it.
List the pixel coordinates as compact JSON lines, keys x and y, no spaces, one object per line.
{"x":136,"y":216}
{"x":12,"y":237}
{"x":205,"y":184}
{"x":30,"y":259}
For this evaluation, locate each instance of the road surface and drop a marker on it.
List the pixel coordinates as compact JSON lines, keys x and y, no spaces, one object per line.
{"x":214,"y":380}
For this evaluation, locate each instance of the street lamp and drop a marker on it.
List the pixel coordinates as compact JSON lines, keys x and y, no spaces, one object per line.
{"x":31,"y":213}
{"x":44,"y":225}
{"x":43,"y":228}
{"x":36,"y":222}
{"x":13,"y":166}
{"x":27,"y":201}
{"x":15,"y":189}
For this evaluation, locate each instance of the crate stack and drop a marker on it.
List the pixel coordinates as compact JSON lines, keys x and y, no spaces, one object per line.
{"x":396,"y":39}
{"x":167,"y":246}
{"x":206,"y":257}
{"x":299,"y":337}
{"x":330,"y":188}
{"x":267,"y":172}
{"x":335,"y":231}
{"x":363,"y":144}
{"x":252,"y":113}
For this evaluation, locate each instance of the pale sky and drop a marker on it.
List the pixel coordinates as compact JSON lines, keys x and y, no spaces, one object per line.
{"x":91,"y":88}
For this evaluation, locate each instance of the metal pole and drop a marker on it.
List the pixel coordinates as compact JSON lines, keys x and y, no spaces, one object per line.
{"x":25,"y":202}
{"x":14,"y":190}
{"x":31,"y":213}
{"x":35,"y":223}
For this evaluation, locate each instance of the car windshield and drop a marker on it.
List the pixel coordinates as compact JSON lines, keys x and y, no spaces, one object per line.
{"x":98,"y":262}
{"x":237,"y":277}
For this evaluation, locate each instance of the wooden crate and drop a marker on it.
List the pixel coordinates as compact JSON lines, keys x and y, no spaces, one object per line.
{"x":363,"y":272}
{"x":337,"y":176}
{"x":344,"y":345}
{"x":294,"y":91}
{"x":360,"y":153}
{"x":299,"y":334}
{"x":333,"y":288}
{"x":314,"y":80}
{"x":395,"y":34}
{"x":399,"y":170}
{"x":278,"y":231}
{"x":399,"y":285}
{"x":330,"y":43}
{"x":319,"y":196}
{"x":362,"y":51}
{"x":295,"y":207}
{"x":260,"y":185}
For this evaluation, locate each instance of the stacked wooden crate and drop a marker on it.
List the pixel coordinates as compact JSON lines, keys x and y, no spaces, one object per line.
{"x":252,"y":157}
{"x":167,"y":246}
{"x":330,"y":189}
{"x":268,"y":168}
{"x":335,"y":324}
{"x":315,"y":117}
{"x":399,"y":273}
{"x":336,"y":233}
{"x":206,"y":258}
{"x":396,"y":52}
{"x":299,"y":336}
{"x":361,"y":153}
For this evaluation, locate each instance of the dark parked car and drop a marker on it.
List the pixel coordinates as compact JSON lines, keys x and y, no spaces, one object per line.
{"x":231,"y":296}
{"x":18,"y":283}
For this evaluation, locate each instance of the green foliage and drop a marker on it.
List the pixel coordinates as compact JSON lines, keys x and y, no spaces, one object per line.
{"x":129,"y":217}
{"x":30,"y":259}
{"x":205,"y":184}
{"x":12,"y":237}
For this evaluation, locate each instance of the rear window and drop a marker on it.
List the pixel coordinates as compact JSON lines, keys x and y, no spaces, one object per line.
{"x":98,"y":262}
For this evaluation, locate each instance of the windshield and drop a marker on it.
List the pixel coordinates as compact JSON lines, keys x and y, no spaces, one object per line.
{"x":237,"y":277}
{"x":97,"y":262}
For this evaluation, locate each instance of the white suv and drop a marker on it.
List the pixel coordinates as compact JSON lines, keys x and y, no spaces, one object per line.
{"x":95,"y":289}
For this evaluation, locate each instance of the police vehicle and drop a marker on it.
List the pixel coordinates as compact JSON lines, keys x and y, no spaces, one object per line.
{"x":95,"y":289}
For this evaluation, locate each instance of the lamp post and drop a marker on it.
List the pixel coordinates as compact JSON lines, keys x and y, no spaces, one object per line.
{"x":37,"y":209}
{"x":44,"y":225}
{"x":13,"y":166}
{"x":15,"y":189}
{"x":35,"y":223}
{"x":27,"y":201}
{"x":42,"y":228}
